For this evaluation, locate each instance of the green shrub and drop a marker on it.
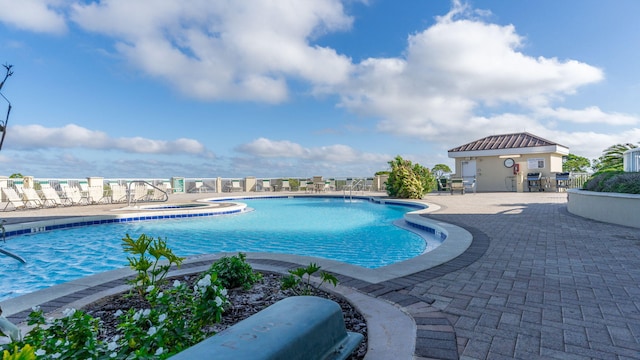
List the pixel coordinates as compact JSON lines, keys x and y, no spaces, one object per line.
{"x":299,"y":280}
{"x":614,"y":181}
{"x":145,"y":260}
{"x":235,"y":272}
{"x":408,"y":180}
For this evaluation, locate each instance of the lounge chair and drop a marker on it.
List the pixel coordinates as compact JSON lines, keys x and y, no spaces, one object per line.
{"x":310,"y":187}
{"x":285,"y":185}
{"x":198,"y":187}
{"x":96,"y":195}
{"x":31,"y":198}
{"x":51,"y":197}
{"x":266,"y":185}
{"x":234,"y":185}
{"x":139,"y":193}
{"x":74,"y":195}
{"x":318,"y":184}
{"x":118,"y":193}
{"x":159,"y":192}
{"x":13,"y":199}
{"x":457,"y":185}
{"x":368,"y":184}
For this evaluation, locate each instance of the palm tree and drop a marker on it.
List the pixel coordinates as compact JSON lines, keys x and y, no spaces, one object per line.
{"x":611,"y":159}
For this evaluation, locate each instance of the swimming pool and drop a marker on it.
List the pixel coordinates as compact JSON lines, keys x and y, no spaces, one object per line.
{"x":357,"y":232}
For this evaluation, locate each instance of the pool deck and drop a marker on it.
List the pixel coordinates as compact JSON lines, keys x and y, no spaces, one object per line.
{"x":535,"y":283}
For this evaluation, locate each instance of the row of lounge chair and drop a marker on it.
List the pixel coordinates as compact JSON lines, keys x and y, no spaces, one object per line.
{"x":19,"y":197}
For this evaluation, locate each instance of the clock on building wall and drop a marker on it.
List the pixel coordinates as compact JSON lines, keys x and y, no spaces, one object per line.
{"x":509,"y":162}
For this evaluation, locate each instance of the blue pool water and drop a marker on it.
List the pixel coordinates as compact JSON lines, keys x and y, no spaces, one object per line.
{"x":358,"y":232}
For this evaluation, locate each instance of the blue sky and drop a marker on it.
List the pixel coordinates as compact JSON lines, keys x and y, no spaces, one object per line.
{"x":233,"y":88}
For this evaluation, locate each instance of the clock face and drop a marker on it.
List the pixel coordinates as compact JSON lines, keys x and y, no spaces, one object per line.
{"x":509,"y":162}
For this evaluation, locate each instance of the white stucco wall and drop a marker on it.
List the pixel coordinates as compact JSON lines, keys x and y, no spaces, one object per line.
{"x":615,"y":208}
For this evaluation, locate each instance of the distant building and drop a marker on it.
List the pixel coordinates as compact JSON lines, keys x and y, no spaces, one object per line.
{"x":631,"y":160}
{"x":502,"y":162}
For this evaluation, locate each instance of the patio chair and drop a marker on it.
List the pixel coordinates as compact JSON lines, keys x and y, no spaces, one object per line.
{"x":51,"y":197}
{"x":444,"y":185}
{"x":118,"y":193}
{"x":160,"y":192}
{"x":13,"y":199}
{"x":74,"y":195}
{"x":31,"y":198}
{"x":457,"y":185}
{"x":96,"y":195}
{"x":139,"y":193}
{"x":234,"y":186}
{"x":285,"y":185}
{"x":266,"y":185}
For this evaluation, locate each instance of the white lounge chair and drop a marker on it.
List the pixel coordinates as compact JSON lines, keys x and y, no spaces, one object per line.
{"x":266,"y":185}
{"x":118,"y":193}
{"x":13,"y":199}
{"x":96,"y":195}
{"x":158,"y":193}
{"x":285,"y":185}
{"x":234,"y":186}
{"x":51,"y":197}
{"x":74,"y":195}
{"x":139,"y":193}
{"x":31,"y":198}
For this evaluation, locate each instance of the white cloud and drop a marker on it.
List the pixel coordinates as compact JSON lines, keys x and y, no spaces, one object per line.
{"x":338,"y":153}
{"x":589,"y":115}
{"x":452,"y":72}
{"x":239,"y":50}
{"x":33,"y":137}
{"x":268,"y":148}
{"x":590,"y":144}
{"x":43,"y":16}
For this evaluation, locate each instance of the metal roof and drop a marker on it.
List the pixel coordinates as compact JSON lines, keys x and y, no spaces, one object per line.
{"x":505,"y":141}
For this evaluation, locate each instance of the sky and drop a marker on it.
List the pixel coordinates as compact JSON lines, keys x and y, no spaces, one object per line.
{"x":289,"y":88}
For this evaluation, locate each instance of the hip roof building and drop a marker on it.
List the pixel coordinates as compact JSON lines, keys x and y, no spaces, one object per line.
{"x":503,"y":162}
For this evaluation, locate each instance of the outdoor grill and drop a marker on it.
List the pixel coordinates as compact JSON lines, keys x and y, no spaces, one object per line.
{"x":562,"y":180}
{"x":534,"y":181}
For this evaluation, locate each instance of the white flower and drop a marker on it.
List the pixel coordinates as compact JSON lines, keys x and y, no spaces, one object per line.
{"x":146,"y":312}
{"x":176,"y":283}
{"x":150,"y":288}
{"x":50,"y":320}
{"x":112,"y":346}
{"x":223,"y":292}
{"x":162,"y":317}
{"x":159,"y":351}
{"x":36,"y":308}
{"x":69,"y":312}
{"x":40,"y":352}
{"x":58,"y":343}
{"x":152,"y":331}
{"x":205,"y":281}
{"x":118,"y":313}
{"x":56,"y":355}
{"x":218,"y":301}
{"x":160,"y":295}
{"x":113,"y":354}
{"x":137,"y":315}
